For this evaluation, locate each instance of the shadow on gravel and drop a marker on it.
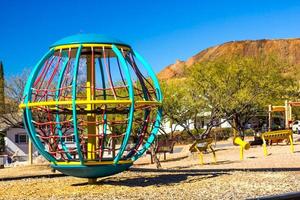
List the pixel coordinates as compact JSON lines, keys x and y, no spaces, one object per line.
{"x":220,"y":170}
{"x":208,"y":164}
{"x":155,"y":179}
{"x":32,"y":176}
{"x":221,"y":149}
{"x":284,"y":196}
{"x":251,"y":157}
{"x":160,"y":180}
{"x":160,"y":177}
{"x":162,"y":161}
{"x":173,"y":176}
{"x":174,"y":159}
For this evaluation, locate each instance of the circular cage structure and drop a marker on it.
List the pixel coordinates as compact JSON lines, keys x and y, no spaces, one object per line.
{"x":92,"y":106}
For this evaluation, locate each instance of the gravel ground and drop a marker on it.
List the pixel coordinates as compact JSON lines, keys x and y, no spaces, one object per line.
{"x":22,"y":171}
{"x":181,"y":178}
{"x":156,"y":185}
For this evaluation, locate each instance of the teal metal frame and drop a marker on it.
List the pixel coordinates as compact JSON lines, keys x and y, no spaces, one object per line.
{"x":27,"y":116}
{"x":159,"y":97}
{"x":131,"y":97}
{"x":83,"y":170}
{"x":74,"y":96}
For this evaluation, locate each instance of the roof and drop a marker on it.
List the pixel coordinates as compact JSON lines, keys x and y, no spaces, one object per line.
{"x":88,"y":39}
{"x":11,"y":120}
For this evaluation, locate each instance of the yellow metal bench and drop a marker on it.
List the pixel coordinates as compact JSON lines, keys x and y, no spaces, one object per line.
{"x":277,"y":135}
{"x":202,"y":145}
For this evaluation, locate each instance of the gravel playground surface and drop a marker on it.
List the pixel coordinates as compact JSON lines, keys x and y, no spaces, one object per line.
{"x":181,"y":177}
{"x":156,"y":185}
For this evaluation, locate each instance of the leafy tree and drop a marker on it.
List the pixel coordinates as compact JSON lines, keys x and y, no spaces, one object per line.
{"x":236,"y":88}
{"x":14,"y":88}
{"x":180,"y":106}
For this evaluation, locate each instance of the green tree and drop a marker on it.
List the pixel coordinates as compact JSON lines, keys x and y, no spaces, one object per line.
{"x":236,"y":88}
{"x":13,"y":89}
{"x":180,"y":105}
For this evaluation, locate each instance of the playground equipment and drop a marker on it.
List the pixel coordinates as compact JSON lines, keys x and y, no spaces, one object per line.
{"x":282,"y":109}
{"x":275,"y":136}
{"x":286,"y":109}
{"x":280,"y":135}
{"x":238,"y":141}
{"x":290,"y":106}
{"x":89,"y":109}
{"x":201,"y":146}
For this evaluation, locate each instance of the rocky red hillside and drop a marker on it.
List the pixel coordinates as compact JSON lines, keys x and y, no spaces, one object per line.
{"x":288,"y":49}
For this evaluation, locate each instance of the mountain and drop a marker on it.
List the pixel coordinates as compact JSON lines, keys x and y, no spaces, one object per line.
{"x":288,"y":49}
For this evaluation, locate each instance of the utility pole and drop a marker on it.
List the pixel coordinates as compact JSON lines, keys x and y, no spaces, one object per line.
{"x":270,"y":118}
{"x":286,"y":113}
{"x":2,"y":110}
{"x":30,"y":160}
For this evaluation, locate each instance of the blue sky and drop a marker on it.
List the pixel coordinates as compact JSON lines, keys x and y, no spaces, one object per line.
{"x":162,"y":31}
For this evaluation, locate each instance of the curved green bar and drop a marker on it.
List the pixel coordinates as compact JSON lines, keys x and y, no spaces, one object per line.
{"x":159,"y":112}
{"x":152,"y":75}
{"x":131,"y":97}
{"x":146,"y":112}
{"x":74,"y":95}
{"x":57,"y":93}
{"x":27,"y":112}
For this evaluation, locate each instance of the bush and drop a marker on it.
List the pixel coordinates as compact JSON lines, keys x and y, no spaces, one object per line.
{"x":249,"y":132}
{"x":183,"y":137}
{"x":221,"y":133}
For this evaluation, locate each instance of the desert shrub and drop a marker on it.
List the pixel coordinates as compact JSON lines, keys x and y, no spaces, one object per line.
{"x":183,"y":137}
{"x":249,"y":132}
{"x":221,"y":133}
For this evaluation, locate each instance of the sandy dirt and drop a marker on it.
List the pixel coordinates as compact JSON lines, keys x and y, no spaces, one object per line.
{"x":181,"y":177}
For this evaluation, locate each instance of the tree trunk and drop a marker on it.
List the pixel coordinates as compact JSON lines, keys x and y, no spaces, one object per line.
{"x":154,"y":157}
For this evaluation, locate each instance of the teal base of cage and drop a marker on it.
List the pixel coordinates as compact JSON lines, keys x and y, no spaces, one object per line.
{"x":95,"y":171}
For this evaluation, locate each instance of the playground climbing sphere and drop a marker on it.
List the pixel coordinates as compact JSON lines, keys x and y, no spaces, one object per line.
{"x":92,"y":106}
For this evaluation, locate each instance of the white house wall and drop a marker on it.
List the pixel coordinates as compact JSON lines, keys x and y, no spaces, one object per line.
{"x":168,"y":128}
{"x":225,"y":124}
{"x":10,"y":144}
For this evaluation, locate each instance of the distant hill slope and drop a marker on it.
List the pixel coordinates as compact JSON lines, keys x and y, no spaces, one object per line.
{"x":288,"y":49}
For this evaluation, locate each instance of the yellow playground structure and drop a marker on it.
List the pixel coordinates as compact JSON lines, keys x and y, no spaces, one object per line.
{"x":268,"y":138}
{"x":280,"y":135}
{"x":286,"y":109}
{"x":277,"y":136}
